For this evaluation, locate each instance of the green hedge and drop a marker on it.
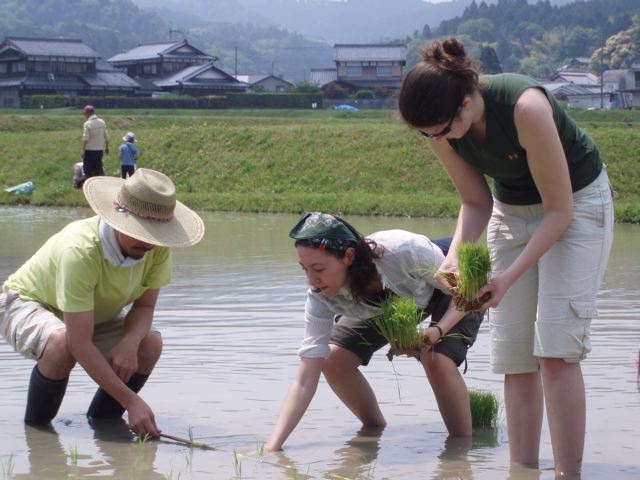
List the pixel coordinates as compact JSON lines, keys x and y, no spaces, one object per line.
{"x":273,"y":100}
{"x":46,"y":101}
{"x":148,"y":102}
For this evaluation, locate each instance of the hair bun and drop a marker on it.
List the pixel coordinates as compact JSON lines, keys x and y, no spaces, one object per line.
{"x":440,"y":51}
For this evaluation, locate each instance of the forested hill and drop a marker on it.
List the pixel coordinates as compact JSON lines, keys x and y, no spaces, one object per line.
{"x":112,"y":26}
{"x":108,"y":26}
{"x":532,"y":38}
{"x":536,"y":38}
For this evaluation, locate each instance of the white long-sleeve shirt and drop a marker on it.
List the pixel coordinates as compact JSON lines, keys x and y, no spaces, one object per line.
{"x":406,"y":267}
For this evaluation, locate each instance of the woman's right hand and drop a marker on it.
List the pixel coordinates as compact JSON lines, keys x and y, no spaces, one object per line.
{"x":447,"y":273}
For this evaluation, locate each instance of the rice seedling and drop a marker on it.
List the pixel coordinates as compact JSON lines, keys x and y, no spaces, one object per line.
{"x":398,"y":322}
{"x":73,"y":455}
{"x":8,"y":464}
{"x":237,"y":464}
{"x":474,"y":269}
{"x":484,"y":408}
{"x":142,"y":441}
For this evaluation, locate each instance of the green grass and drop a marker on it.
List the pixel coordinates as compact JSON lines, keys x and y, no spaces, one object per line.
{"x":484,"y":408}
{"x":365,"y":162}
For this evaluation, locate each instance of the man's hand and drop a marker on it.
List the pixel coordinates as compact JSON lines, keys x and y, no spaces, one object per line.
{"x":141,"y":419}
{"x":124,"y":359}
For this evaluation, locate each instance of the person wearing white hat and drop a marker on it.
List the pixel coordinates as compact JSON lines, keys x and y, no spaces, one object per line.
{"x":128,"y":155}
{"x":65,"y":305}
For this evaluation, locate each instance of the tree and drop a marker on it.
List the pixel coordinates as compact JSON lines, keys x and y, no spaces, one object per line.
{"x":306,"y":87}
{"x":489,"y":62}
{"x":481,"y":29}
{"x":620,"y":50}
{"x":334,"y":91}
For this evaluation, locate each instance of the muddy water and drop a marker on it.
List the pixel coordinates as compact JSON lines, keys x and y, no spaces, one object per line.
{"x":231,"y":322}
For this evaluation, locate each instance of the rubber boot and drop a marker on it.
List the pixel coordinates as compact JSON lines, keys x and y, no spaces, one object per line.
{"x":104,"y":405}
{"x":44,"y":398}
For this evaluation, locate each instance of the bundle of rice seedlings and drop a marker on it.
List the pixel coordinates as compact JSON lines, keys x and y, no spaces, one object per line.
{"x":474,"y":269}
{"x":398,"y":322}
{"x":484,"y":408}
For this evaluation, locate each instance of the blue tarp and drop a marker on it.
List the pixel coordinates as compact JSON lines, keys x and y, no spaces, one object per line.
{"x":26,"y":187}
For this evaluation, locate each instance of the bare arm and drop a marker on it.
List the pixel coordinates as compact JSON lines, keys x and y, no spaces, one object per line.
{"x":475,"y":197}
{"x":79,"y":328}
{"x":124,"y":356}
{"x":550,"y":172}
{"x":296,"y":402}
{"x":449,"y":320}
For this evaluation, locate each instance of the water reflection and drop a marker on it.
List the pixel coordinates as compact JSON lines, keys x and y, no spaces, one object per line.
{"x":232,"y":321}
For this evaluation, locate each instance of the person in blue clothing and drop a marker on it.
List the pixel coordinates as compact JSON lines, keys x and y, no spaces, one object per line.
{"x":128,"y":155}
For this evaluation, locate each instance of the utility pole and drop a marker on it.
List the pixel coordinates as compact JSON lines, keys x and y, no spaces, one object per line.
{"x":602,"y":74}
{"x":235,"y":61}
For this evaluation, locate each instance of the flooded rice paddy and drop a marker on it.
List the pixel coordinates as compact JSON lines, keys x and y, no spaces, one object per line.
{"x":232,"y":321}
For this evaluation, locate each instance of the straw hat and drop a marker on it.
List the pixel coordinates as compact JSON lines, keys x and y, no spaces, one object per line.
{"x":144,"y":207}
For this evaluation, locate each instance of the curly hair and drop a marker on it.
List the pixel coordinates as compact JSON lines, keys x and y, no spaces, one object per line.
{"x":434,"y":89}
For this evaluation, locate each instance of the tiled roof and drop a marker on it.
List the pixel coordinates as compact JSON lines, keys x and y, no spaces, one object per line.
{"x":51,"y":47}
{"x":253,"y":79}
{"x":370,"y":52}
{"x":154,"y":50}
{"x":189,"y":77}
{"x":322,"y":76}
{"x":109,"y":79}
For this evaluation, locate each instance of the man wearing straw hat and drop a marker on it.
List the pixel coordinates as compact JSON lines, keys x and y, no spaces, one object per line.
{"x":65,"y":304}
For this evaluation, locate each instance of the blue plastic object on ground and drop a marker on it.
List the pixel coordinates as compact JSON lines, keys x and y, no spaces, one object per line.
{"x":26,"y":188}
{"x":349,"y":108}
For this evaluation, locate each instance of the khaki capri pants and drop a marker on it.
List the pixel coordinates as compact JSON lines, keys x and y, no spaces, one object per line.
{"x":547,"y":312}
{"x":26,"y":325}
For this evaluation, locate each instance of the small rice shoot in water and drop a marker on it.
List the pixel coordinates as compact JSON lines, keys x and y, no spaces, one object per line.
{"x":484,"y":408}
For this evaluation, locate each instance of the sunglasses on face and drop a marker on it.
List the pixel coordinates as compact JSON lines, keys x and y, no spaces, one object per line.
{"x":443,"y":132}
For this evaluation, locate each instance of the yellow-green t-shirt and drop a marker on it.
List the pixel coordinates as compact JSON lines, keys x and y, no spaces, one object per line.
{"x":70,"y":273}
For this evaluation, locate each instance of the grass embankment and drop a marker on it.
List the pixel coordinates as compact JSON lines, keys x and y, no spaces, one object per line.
{"x":279,"y":161}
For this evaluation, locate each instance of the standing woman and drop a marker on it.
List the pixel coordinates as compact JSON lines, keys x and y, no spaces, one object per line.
{"x":550,"y":229}
{"x":349,"y":276}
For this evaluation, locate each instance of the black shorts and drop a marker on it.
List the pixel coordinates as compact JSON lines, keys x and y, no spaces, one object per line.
{"x":92,"y":163}
{"x":363,"y":339}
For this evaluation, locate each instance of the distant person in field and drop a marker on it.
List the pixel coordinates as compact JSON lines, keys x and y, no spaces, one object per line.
{"x":128,"y":155}
{"x":349,"y":277}
{"x":95,"y":143}
{"x":549,"y":222}
{"x":78,"y":175}
{"x":88,"y":296}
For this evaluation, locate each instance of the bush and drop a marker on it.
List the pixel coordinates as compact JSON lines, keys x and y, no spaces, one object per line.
{"x":335,"y":92}
{"x":46,"y":101}
{"x":364,"y":94}
{"x":382,"y":92}
{"x":273,"y":100}
{"x":149,"y":102}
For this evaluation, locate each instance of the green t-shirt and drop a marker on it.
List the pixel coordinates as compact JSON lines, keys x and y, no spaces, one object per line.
{"x":501,"y":156}
{"x":69,"y":273}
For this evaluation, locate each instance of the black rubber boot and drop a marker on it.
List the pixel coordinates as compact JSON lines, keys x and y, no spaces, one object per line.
{"x":104,"y":405}
{"x":44,"y":398}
